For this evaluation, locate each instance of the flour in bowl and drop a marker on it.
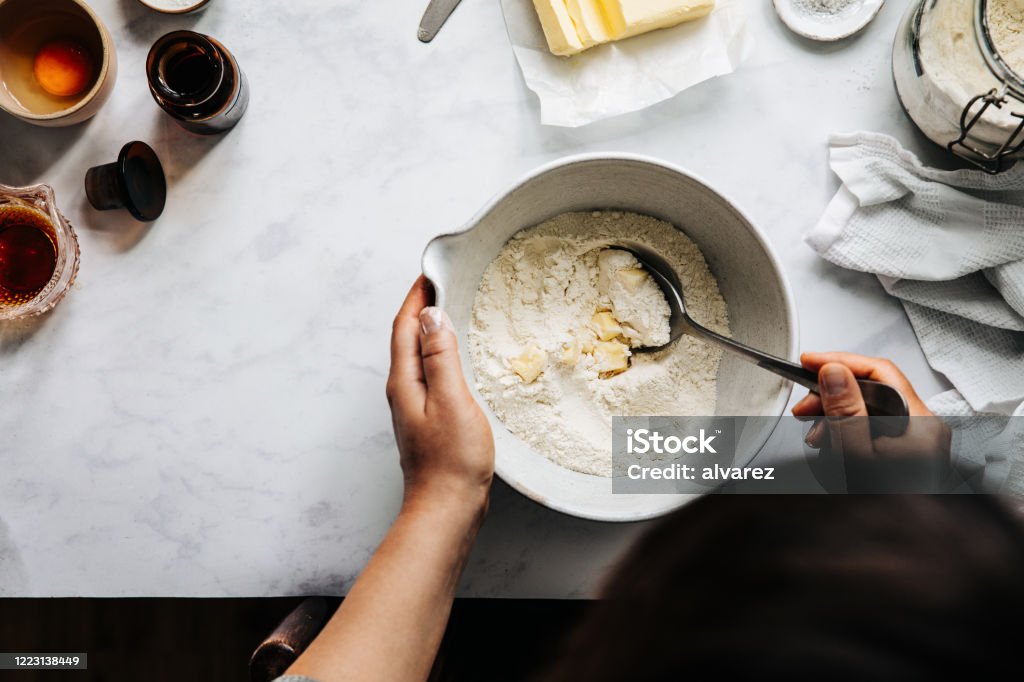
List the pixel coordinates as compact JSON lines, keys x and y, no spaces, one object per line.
{"x":555,"y":321}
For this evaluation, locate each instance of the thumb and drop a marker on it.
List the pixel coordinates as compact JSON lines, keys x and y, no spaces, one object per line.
{"x":848,"y":425}
{"x":440,"y":351}
{"x":840,"y":394}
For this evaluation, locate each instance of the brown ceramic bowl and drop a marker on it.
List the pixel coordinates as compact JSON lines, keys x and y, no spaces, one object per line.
{"x":54,"y":19}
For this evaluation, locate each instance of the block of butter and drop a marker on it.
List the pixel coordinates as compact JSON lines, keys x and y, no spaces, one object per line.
{"x":572,"y":26}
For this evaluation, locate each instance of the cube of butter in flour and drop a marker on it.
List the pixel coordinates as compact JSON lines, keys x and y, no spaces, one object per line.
{"x":611,"y":357}
{"x":528,"y":364}
{"x":605,"y":326}
{"x":631,"y":278}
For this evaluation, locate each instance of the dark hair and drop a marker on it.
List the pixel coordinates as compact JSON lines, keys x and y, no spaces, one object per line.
{"x":789,"y":587}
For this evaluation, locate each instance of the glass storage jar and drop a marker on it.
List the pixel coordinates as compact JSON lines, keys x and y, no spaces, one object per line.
{"x":196,"y":80}
{"x":957,"y":65}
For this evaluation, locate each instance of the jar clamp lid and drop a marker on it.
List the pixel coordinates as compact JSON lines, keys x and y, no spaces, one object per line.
{"x":1011,"y":90}
{"x":991,"y":156}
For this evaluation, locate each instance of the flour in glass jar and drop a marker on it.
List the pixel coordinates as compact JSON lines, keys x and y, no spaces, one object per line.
{"x":1006,"y":23}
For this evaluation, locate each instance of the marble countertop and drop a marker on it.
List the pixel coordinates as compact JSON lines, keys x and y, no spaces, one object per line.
{"x":204,"y":415}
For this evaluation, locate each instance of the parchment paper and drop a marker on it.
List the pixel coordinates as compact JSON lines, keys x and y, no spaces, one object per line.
{"x":617,"y":78}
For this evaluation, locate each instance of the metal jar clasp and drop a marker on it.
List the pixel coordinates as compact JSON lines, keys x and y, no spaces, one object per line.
{"x":991,"y":162}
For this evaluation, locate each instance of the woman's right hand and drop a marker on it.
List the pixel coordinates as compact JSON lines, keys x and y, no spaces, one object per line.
{"x":926,"y":437}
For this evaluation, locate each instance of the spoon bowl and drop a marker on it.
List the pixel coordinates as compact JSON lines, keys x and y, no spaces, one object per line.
{"x":881,"y":399}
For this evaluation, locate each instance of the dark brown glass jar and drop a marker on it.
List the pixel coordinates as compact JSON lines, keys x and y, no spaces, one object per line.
{"x":197,"y":81}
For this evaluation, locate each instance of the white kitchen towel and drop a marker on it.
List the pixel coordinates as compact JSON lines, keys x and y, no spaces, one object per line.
{"x":950,"y":246}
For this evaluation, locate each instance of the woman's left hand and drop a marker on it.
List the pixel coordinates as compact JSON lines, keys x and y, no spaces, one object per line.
{"x":445,"y":440}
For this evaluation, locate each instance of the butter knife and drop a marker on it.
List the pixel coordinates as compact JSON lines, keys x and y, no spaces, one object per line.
{"x":437,"y":13}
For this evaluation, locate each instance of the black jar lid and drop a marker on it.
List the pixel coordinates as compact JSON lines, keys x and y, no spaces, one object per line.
{"x":135,"y":181}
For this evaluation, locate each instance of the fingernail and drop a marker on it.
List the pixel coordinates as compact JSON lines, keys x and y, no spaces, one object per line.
{"x":834,"y":380}
{"x":433,"y":320}
{"x":812,"y":434}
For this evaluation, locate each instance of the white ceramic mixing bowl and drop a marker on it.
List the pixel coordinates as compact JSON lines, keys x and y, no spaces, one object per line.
{"x":761,"y":309}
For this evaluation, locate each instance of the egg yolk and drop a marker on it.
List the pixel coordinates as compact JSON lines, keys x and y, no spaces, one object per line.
{"x":63,"y":68}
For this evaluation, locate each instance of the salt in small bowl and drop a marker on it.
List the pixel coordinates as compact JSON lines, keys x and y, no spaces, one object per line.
{"x":813,"y":18}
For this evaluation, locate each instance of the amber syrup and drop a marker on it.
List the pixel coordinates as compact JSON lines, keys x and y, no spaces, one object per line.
{"x":189,"y":72}
{"x":28,"y":255}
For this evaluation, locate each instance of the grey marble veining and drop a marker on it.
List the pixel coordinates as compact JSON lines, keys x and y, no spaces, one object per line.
{"x":204,"y":414}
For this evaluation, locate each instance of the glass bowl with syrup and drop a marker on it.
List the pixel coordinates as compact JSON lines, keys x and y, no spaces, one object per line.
{"x":39,"y":252}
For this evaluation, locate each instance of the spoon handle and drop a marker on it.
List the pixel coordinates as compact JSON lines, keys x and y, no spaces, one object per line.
{"x":881,"y":399}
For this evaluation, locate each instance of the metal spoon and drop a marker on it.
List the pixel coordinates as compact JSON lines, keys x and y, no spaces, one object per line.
{"x":881,"y":399}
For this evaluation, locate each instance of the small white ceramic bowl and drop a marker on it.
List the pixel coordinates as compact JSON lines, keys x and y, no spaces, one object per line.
{"x":176,"y":6}
{"x":825,"y":28}
{"x":761,"y":308}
